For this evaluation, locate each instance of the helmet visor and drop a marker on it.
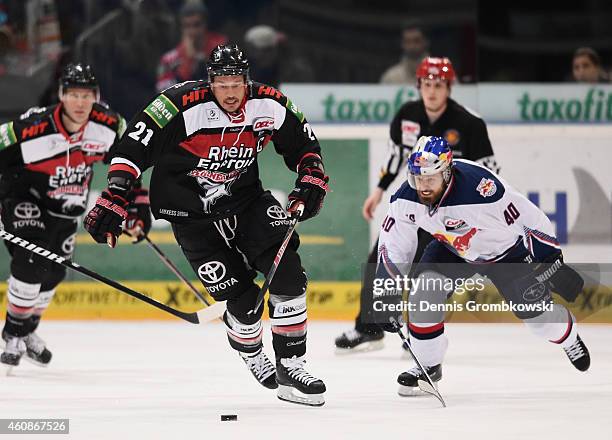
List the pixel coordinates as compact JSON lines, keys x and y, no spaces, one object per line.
{"x":429,"y":182}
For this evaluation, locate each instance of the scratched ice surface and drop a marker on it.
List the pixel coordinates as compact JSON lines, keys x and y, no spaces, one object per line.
{"x":172,"y":380}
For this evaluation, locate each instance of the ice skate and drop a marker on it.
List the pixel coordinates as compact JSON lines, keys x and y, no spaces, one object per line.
{"x":36,"y":349}
{"x":579,"y":355}
{"x":15,"y":348}
{"x":409,"y":380}
{"x":296,"y":385}
{"x":354,"y":341}
{"x":262,"y":368}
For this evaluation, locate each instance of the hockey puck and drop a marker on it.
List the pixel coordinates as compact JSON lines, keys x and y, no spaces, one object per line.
{"x":229,"y":417}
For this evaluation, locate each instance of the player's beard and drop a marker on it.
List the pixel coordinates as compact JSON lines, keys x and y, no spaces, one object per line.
{"x":432,"y":196}
{"x":231,"y":104}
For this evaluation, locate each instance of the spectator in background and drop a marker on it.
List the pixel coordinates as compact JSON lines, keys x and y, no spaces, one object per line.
{"x":415,"y":47}
{"x":586,"y":66}
{"x":266,"y":47}
{"x":187,"y":61}
{"x":6,"y":41}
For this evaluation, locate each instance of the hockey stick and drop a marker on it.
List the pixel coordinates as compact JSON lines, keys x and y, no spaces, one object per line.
{"x":198,"y":317}
{"x":175,"y":270}
{"x":215,"y":310}
{"x":277,"y":258}
{"x":427,"y":387}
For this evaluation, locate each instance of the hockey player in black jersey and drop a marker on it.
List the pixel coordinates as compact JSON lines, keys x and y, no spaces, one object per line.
{"x":435,"y":114}
{"x":46,"y":160}
{"x":202,"y":139}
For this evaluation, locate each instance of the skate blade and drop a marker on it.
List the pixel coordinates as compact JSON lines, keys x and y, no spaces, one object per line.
{"x":290,"y":394}
{"x":35,"y":362}
{"x":366,"y":347}
{"x":9,"y":370}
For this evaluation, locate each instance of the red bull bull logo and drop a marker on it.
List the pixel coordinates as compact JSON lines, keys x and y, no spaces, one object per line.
{"x":460,"y":243}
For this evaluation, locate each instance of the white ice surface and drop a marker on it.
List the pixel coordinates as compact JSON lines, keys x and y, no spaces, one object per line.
{"x":137,"y":380}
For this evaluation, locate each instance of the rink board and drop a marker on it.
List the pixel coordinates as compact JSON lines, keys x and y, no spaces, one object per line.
{"x":335,"y":244}
{"x":326,"y":300}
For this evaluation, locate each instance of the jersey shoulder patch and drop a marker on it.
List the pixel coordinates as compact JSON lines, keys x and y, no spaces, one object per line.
{"x":103,"y":114}
{"x":189,"y":94}
{"x":35,"y":122}
{"x":259,"y":90}
{"x":32,"y":111}
{"x":474,"y":184}
{"x":161,"y":110}
{"x":262,"y":91}
{"x":7,"y":135}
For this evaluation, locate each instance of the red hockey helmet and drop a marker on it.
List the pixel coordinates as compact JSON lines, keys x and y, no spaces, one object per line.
{"x":436,"y":68}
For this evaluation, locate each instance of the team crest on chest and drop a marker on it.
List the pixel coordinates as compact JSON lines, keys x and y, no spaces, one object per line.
{"x":453,"y":224}
{"x":212,"y":114}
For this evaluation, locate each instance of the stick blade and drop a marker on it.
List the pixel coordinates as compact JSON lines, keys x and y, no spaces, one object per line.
{"x":427,"y":388}
{"x":212,"y":312}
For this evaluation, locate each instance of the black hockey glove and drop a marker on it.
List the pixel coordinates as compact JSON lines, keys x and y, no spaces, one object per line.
{"x":388,"y":327}
{"x":560,"y":277}
{"x":310,"y":187}
{"x":104,"y":220}
{"x":138,"y":222}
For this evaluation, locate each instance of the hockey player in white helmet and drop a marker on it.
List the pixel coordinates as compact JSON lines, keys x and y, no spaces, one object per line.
{"x":478,"y":222}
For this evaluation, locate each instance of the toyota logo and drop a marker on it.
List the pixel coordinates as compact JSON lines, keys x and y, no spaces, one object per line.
{"x":27,"y":210}
{"x":68,"y":245}
{"x":211,"y":272}
{"x":276,"y":212}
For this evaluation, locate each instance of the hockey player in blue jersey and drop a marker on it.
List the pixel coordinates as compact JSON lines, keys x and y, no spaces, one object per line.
{"x":477,"y":219}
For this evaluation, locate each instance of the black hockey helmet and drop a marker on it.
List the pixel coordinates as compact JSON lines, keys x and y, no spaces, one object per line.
{"x":78,"y":75}
{"x":227,"y":60}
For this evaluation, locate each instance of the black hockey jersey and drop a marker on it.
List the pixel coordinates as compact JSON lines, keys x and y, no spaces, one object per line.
{"x":205,"y":160}
{"x":44,"y":161}
{"x":465,"y":133}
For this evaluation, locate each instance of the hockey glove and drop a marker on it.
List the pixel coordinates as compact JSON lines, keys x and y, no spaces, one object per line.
{"x":104,"y":220}
{"x":388,"y":327}
{"x":560,"y":277}
{"x":310,"y":187}
{"x":138,"y":222}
